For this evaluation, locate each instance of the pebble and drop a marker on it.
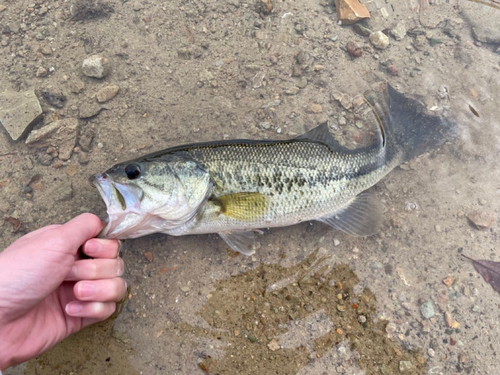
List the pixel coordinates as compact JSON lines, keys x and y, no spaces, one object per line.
{"x":405,"y":366}
{"x":315,"y":108}
{"x":292,"y":90}
{"x":96,"y":66}
{"x":448,"y":281}
{"x":427,"y":310}
{"x":76,"y":86}
{"x":83,"y":158}
{"x":87,"y":110}
{"x":482,"y":220}
{"x":431,"y":352}
{"x":362,"y":319}
{"x":390,"y":328}
{"x":399,"y":32}
{"x":351,"y":11}
{"x":420,"y":42}
{"x":18,"y":112}
{"x":342,"y":121}
{"x":273,"y":345}
{"x":361,"y":30}
{"x":353,"y":49}
{"x":265,"y":125}
{"x":107,"y":93}
{"x":379,"y":40}
{"x":149,"y":256}
{"x":41,"y":72}
{"x":336,"y":242}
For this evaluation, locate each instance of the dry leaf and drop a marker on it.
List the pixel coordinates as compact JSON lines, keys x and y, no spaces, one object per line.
{"x":489,"y":270}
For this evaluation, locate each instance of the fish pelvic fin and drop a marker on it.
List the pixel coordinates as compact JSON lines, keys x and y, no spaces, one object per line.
{"x":361,"y":217}
{"x":241,"y":242}
{"x":243,"y":206}
{"x":406,"y":125}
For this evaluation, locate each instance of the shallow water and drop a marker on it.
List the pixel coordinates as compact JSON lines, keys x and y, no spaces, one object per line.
{"x":208,"y":70}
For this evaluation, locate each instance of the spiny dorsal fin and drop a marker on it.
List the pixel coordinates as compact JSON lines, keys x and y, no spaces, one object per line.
{"x":243,"y":206}
{"x":361,"y":217}
{"x":322,"y":134}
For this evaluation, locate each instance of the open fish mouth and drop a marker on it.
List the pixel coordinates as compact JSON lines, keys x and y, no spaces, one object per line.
{"x":122,"y":201}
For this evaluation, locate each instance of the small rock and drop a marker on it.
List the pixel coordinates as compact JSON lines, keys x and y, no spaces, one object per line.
{"x":264,"y":6}
{"x":55,"y":99}
{"x":361,"y":30}
{"x":448,"y":319}
{"x":399,"y":32}
{"x":184,"y":53}
{"x":83,"y":158}
{"x":149,"y":256}
{"x":185,"y":289}
{"x":448,"y":281}
{"x":41,"y":72}
{"x":427,"y":310}
{"x":379,"y":40}
{"x":46,"y":50}
{"x":43,"y":10}
{"x":405,"y":366}
{"x":318,"y":68}
{"x":61,"y":134}
{"x":351,"y":11}
{"x":265,"y":125}
{"x":481,"y":219}
{"x":420,"y":42}
{"x":2,"y":8}
{"x":390,"y":328}
{"x":273,"y":345}
{"x":107,"y":93}
{"x":362,"y":319}
{"x":392,"y":70}
{"x":292,"y":90}
{"x":431,"y":352}
{"x":137,"y":6}
{"x":336,"y":242}
{"x":76,"y":86}
{"x":96,"y":66}
{"x":18,"y":112}
{"x":353,"y":49}
{"x":315,"y":108}
{"x":88,"y":110}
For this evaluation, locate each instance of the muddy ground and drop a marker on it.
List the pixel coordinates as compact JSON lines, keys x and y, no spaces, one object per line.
{"x":312,"y":300}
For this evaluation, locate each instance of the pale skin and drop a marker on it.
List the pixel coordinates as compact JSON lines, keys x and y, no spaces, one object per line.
{"x":47,"y":292}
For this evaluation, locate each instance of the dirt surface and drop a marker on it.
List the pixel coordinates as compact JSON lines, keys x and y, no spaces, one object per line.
{"x":206,"y":70}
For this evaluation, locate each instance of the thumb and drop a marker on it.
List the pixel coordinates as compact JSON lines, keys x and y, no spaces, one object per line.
{"x":80,"y":229}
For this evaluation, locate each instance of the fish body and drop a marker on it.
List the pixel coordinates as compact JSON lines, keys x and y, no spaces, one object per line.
{"x":235,"y":187}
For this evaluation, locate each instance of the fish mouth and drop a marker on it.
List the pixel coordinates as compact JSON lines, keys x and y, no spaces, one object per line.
{"x":121,"y":202}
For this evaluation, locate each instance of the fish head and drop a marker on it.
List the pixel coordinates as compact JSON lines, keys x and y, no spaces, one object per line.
{"x":149,"y":196}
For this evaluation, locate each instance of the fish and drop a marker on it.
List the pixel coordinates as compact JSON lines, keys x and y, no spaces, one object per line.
{"x":236,"y":187}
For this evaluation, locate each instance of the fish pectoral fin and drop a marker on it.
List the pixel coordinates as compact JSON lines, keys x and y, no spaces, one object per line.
{"x":242,"y":206}
{"x":241,"y":242}
{"x":361,"y":217}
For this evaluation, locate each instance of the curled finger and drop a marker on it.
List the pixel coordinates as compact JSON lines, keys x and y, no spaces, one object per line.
{"x":101,"y":248}
{"x":101,"y":290}
{"x":95,"y":269}
{"x":93,"y":310}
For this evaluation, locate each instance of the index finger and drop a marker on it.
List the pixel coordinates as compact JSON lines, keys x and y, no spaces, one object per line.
{"x":79,"y":229}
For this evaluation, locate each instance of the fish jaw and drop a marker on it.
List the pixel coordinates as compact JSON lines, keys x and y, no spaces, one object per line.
{"x":122,"y":206}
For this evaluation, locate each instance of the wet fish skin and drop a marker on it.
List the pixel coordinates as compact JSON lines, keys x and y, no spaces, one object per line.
{"x":234,"y":187}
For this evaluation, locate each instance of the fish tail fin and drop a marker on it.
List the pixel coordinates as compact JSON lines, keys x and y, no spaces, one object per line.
{"x":406,"y":127}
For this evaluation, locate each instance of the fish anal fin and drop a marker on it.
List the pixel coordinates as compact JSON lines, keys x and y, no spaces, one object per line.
{"x":241,"y":242}
{"x":243,"y":206}
{"x":361,"y":217}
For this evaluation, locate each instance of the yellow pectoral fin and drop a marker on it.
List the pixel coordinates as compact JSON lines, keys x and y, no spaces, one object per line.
{"x":243,"y":206}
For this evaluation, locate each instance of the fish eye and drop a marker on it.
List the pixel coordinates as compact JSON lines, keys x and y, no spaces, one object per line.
{"x":133,"y":171}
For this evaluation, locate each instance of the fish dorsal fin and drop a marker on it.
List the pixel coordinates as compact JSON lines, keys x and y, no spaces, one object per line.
{"x":241,"y":242}
{"x":322,"y":134}
{"x":361,"y":217}
{"x":242,"y":206}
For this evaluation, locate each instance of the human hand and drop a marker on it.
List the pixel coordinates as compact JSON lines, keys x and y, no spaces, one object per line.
{"x":47,"y":292}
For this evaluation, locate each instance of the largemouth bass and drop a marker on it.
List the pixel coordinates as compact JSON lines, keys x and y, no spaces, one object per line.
{"x":235,"y":187}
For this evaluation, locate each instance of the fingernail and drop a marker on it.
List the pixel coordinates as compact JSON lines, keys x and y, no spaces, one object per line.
{"x":74,"y":308}
{"x":93,"y":247}
{"x":72,"y":273}
{"x":120,"y":267}
{"x":86,"y":289}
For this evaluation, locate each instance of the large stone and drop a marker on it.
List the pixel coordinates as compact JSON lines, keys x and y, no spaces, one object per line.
{"x":61,"y":134}
{"x":351,"y":11}
{"x":484,"y":21}
{"x":18,"y":112}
